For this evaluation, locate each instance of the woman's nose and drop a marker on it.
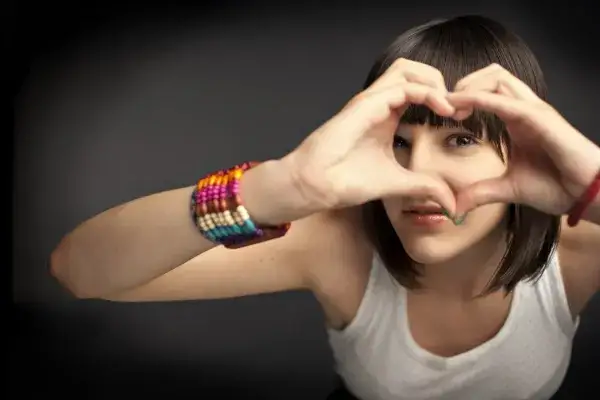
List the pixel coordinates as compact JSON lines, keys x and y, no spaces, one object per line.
{"x":431,"y":160}
{"x":422,"y":159}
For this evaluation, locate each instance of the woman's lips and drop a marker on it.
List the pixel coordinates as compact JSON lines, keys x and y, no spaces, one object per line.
{"x":425,"y":218}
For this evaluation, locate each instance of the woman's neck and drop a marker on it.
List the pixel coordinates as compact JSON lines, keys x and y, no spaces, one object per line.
{"x":467,"y":275}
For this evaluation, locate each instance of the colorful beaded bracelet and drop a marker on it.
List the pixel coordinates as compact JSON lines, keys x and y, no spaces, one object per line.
{"x":219,"y":214}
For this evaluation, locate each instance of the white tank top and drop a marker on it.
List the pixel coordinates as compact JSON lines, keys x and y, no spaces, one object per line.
{"x":378,"y":359}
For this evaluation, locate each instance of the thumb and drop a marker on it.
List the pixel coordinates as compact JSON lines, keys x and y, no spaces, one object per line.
{"x":421,"y":186}
{"x":488,"y":191}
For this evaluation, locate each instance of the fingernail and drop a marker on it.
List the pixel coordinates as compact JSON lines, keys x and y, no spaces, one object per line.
{"x":456,"y":221}
{"x":460,"y":219}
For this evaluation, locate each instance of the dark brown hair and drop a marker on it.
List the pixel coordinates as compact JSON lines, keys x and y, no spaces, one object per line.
{"x":457,"y":47}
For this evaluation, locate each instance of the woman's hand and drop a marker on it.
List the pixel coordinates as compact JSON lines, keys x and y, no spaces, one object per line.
{"x":350,"y":159}
{"x":551,"y":163}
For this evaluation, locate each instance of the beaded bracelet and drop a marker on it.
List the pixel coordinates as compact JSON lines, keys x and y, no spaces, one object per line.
{"x":584,"y":202}
{"x":219,"y":214}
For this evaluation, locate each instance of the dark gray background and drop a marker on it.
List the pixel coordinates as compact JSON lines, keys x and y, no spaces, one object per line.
{"x":120,"y":101}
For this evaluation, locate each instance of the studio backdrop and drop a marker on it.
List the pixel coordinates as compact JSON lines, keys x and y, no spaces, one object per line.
{"x":120,"y":101}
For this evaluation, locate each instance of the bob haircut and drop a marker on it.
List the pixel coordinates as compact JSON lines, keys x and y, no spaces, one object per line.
{"x":457,"y":47}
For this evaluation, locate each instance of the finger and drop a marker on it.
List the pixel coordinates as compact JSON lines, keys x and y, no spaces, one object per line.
{"x":403,"y":70}
{"x":504,"y":84}
{"x":431,"y":79}
{"x":463,"y":113}
{"x":489,"y":191}
{"x":496,"y":79}
{"x":421,"y":186}
{"x":473,"y":76}
{"x":401,"y":96}
{"x":507,"y":108}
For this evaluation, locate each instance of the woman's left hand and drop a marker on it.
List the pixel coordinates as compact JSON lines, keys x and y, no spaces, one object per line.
{"x":551,"y":163}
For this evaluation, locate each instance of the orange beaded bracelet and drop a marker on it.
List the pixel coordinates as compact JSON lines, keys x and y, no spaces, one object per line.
{"x":219,"y":214}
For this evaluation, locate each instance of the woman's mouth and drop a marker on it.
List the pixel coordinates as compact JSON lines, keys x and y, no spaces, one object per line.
{"x":426,"y":216}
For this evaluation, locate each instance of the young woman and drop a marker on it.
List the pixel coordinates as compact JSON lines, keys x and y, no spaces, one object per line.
{"x":425,"y":217}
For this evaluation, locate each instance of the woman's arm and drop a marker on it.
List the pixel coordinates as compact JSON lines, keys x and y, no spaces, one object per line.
{"x":581,"y":247}
{"x":592,"y":213}
{"x":288,"y":263}
{"x":346,"y":162}
{"x":579,"y":251}
{"x":132,"y":244}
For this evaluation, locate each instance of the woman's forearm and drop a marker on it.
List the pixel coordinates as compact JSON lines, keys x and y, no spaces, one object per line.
{"x":131,"y":244}
{"x":592,"y":212}
{"x":128,"y":245}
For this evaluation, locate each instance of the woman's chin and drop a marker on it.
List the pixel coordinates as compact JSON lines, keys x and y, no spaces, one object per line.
{"x":426,"y":254}
{"x":429,"y":258}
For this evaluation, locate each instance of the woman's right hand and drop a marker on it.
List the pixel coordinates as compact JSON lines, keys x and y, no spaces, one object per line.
{"x":350,"y":159}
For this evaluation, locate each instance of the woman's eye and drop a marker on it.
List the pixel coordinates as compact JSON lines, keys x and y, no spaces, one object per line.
{"x":400,"y":142}
{"x":462,"y":140}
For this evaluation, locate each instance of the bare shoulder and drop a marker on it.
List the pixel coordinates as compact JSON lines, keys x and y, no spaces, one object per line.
{"x":579,"y":253}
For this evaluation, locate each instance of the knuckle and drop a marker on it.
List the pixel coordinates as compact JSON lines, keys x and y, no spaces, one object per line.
{"x":423,"y":72}
{"x":401,"y":66}
{"x":502,"y":72}
{"x":413,"y":67}
{"x":503,"y":81}
{"x":459,"y":85}
{"x":400,"y":62}
{"x":435,"y":76}
{"x":436,"y":73}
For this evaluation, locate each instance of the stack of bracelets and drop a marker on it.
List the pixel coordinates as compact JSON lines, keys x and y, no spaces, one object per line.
{"x":220,"y":216}
{"x":219,"y":213}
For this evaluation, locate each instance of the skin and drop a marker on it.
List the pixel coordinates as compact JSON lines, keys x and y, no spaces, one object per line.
{"x":120,"y":255}
{"x":461,"y":159}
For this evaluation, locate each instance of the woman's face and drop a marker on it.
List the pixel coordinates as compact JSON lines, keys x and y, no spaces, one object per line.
{"x":460,"y":158}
